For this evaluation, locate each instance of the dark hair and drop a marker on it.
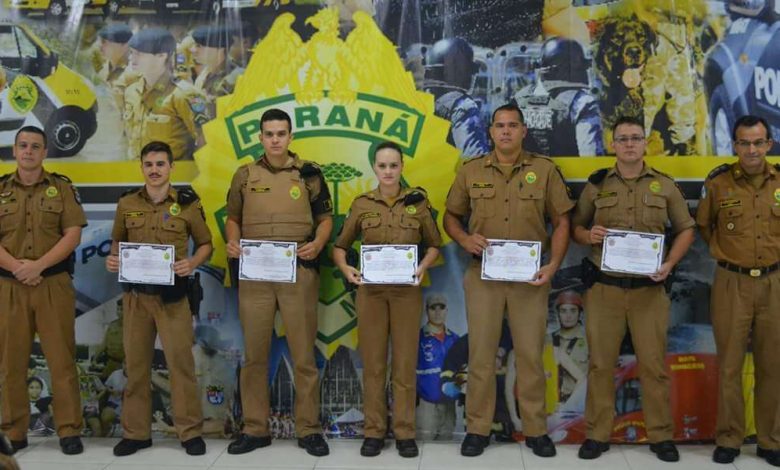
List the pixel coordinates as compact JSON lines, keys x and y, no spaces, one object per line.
{"x":389,"y":145}
{"x":749,"y":120}
{"x":508,"y":107}
{"x":275,"y":114}
{"x":157,"y":146}
{"x":32,"y":130}
{"x":35,"y":379}
{"x":627,"y":120}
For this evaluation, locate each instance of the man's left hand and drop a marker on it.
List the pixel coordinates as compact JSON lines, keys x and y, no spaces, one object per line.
{"x":309,"y":251}
{"x":663,"y":272}
{"x":544,"y":275}
{"x":28,"y":272}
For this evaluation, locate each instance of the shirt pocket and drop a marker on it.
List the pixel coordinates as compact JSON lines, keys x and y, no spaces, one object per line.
{"x":51,"y":213}
{"x":731,"y":221}
{"x":606,"y":211}
{"x":483,"y":202}
{"x":371,"y":229}
{"x":410,"y":230}
{"x":9,"y":217}
{"x":654,"y":212}
{"x":774,"y":220}
{"x":173,"y":230}
{"x":135,"y":228}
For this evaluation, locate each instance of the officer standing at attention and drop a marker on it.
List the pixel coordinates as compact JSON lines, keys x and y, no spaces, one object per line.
{"x":40,"y":225}
{"x":508,"y":194}
{"x":389,"y":215}
{"x":629,"y":196}
{"x":739,"y":217}
{"x":158,"y":213}
{"x":158,"y":107}
{"x":280,"y":197}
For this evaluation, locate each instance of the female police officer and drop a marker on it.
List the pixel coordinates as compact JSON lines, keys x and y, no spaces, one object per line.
{"x":389,"y":214}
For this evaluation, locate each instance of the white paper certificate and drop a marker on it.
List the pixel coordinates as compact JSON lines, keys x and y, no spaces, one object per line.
{"x":388,"y":264}
{"x":268,"y":261}
{"x":511,"y":260}
{"x":145,"y":263}
{"x":632,"y":252}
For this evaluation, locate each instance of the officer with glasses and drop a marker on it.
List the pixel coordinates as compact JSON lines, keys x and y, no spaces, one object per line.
{"x":635,"y":197}
{"x":739,"y":217}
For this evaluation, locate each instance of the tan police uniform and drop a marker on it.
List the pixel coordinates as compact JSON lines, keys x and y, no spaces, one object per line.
{"x":32,"y":220}
{"x":280,"y":204}
{"x":148,"y":312}
{"x":169,"y":110}
{"x":514,"y":203}
{"x":744,"y":223}
{"x":390,"y":311}
{"x":645,"y":204}
{"x":216,"y":83}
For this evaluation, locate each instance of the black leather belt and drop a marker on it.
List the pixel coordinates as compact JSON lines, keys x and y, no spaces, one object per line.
{"x":626,"y":282}
{"x":60,"y":267}
{"x":752,"y":272}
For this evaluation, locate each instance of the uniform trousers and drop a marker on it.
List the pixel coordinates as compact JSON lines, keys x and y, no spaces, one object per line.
{"x":48,"y":309}
{"x":742,"y":306}
{"x":526,"y":308}
{"x":297,"y":303}
{"x":645,"y":311}
{"x":146,"y":316}
{"x":389,"y":312}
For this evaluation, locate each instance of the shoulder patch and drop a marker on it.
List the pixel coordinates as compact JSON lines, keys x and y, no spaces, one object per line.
{"x":598,"y":176}
{"x":718,"y":170}
{"x":418,"y":195}
{"x":62,"y":177}
{"x":186,"y":195}
{"x":310,"y":169}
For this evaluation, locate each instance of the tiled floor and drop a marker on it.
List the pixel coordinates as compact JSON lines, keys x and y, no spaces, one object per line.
{"x":44,"y":454}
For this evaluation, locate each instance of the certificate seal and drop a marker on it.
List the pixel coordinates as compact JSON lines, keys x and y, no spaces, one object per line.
{"x":246,"y":252}
{"x":126,"y":254}
{"x":611,"y":242}
{"x":166,"y":256}
{"x":530,"y":177}
{"x":288,"y":253}
{"x":655,"y":186}
{"x":295,"y":192}
{"x":51,"y":191}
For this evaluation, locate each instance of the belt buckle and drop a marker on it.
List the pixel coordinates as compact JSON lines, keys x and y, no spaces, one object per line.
{"x":755,"y":272}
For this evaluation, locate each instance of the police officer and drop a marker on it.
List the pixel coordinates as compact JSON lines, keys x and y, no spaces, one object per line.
{"x":561,"y":114}
{"x":282,"y":198}
{"x":158,"y":213}
{"x":218,"y":77}
{"x":508,"y":194}
{"x":569,"y":344}
{"x":449,"y":66}
{"x":739,"y":216}
{"x":115,"y":50}
{"x":389,"y":214}
{"x":157,"y":106}
{"x":40,"y":225}
{"x":629,"y":196}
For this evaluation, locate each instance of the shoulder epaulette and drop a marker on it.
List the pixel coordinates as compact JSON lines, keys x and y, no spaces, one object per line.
{"x":663,"y":174}
{"x":130,"y":191}
{"x":5,"y":177}
{"x":310,"y":169}
{"x":540,"y":156}
{"x":186,"y":195}
{"x":470,"y":160}
{"x":598,"y":176}
{"x":417,"y":195}
{"x":718,"y":170}
{"x":62,"y":177}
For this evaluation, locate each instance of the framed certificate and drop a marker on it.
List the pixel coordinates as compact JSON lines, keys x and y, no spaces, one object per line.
{"x":388,"y":264}
{"x":268,"y":261}
{"x":632,"y":252}
{"x":146,"y":263}
{"x":511,"y":260}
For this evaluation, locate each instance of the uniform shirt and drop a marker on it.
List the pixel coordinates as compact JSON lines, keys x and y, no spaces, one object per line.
{"x":650,"y":203}
{"x":139,"y":220}
{"x":380,"y":223}
{"x":217,"y":83}
{"x":515,"y":207}
{"x":744,"y":221}
{"x":33,"y":218}
{"x":279,"y":204}
{"x":168,"y":110}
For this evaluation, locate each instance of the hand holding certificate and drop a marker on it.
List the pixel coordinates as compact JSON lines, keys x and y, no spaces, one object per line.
{"x":388,"y":264}
{"x":632,"y":252}
{"x":144,"y":263}
{"x":267,"y":261}
{"x":511,"y":260}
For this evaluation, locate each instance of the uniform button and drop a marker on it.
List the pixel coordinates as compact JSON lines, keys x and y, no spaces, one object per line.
{"x":506,"y":219}
{"x":759,"y":257}
{"x":506,"y":200}
{"x":29,"y":230}
{"x":759,"y":237}
{"x":758,"y":216}
{"x":30,"y":248}
{"x":630,"y":208}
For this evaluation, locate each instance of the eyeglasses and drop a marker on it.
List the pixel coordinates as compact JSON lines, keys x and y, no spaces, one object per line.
{"x":745,"y":144}
{"x":437,"y":306}
{"x":634,"y":139}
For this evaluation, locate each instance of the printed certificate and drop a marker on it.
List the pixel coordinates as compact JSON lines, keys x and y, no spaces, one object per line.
{"x":511,"y":260}
{"x":388,"y":264}
{"x":146,"y":263}
{"x":632,"y":252}
{"x":268,"y":261}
